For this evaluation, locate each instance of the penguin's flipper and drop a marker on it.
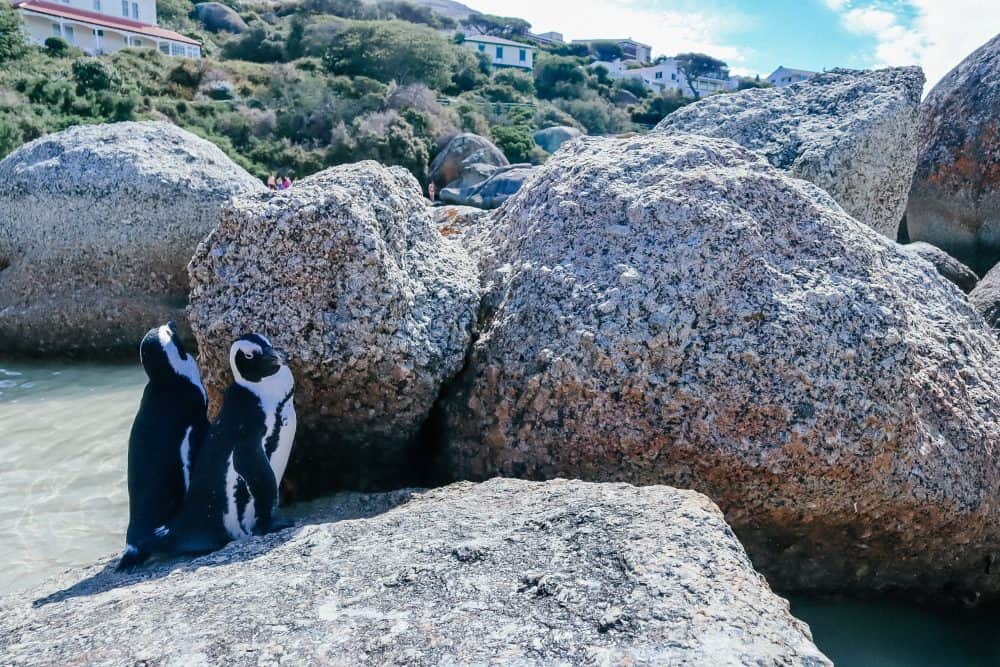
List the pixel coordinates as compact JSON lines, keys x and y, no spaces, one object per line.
{"x":132,"y":557}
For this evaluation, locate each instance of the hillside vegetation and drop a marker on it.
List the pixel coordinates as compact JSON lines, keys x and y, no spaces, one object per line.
{"x":313,"y":83}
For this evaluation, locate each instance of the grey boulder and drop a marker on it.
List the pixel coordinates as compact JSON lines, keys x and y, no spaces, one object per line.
{"x":494,"y":191}
{"x":463,"y":153}
{"x":456,"y":220}
{"x":217,"y":17}
{"x":673,"y":309}
{"x":551,"y":138}
{"x":505,"y":572}
{"x":97,"y":224}
{"x":985,"y":298}
{"x":955,"y":198}
{"x":949,"y":267}
{"x":852,"y":133}
{"x":348,"y":275}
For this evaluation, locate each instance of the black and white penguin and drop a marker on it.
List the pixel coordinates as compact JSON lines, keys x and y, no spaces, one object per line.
{"x":234,"y":488}
{"x":166,"y":435}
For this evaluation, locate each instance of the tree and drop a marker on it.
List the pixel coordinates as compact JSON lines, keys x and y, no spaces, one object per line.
{"x":12,"y":42}
{"x":607,"y":50}
{"x":497,"y":26}
{"x":393,"y":51}
{"x":653,"y":109}
{"x":696,"y":65}
{"x":517,"y":142}
{"x":556,"y":76}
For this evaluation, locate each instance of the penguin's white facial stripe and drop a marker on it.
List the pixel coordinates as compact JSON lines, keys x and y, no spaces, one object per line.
{"x":186,"y":368}
{"x":248,"y":349}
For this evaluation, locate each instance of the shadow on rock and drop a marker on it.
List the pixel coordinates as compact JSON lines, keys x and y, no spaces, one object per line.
{"x":340,"y":507}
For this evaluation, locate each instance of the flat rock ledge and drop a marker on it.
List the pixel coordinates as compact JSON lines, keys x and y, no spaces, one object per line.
{"x":506,"y":571}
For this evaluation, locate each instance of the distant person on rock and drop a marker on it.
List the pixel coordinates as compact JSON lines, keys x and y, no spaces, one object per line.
{"x":286,"y":183}
{"x":431,"y":191}
{"x":271,"y":183}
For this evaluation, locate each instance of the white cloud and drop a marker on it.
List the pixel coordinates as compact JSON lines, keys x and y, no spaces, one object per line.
{"x":935,"y":34}
{"x":669,"y":32}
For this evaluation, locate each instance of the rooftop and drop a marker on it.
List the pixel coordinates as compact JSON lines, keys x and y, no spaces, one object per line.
{"x":791,"y":70}
{"x":102,"y":20}
{"x":489,"y":39}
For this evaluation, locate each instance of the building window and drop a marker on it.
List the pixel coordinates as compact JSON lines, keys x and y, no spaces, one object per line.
{"x":499,"y":53}
{"x":177,"y":49}
{"x":673,"y":76}
{"x":136,"y":42}
{"x":125,"y":8}
{"x":97,"y":5}
{"x":68,"y":34}
{"x":522,"y":55}
{"x":482,"y":47}
{"x":165,"y":48}
{"x":135,"y":10}
{"x":659,"y":75}
{"x":56,"y":30}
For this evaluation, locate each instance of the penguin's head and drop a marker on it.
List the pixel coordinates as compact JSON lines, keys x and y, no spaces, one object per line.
{"x":254,"y":361}
{"x":164,"y":358}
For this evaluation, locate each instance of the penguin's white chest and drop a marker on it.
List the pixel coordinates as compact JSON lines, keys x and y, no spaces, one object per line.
{"x":284,"y":421}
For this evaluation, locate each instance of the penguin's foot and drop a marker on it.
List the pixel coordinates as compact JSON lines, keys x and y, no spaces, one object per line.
{"x":132,"y":557}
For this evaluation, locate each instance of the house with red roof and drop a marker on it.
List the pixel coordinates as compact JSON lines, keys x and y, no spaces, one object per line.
{"x":103,"y":26}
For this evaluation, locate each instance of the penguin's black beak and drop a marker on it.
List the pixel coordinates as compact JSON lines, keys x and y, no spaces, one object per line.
{"x":271,"y":361}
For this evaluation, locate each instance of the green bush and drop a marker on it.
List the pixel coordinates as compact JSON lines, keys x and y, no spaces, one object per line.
{"x":557,"y":76}
{"x":12,"y":40}
{"x":520,"y":81}
{"x":393,"y":51}
{"x":597,"y":115}
{"x":56,"y":47}
{"x":10,"y":138}
{"x":516,"y":142}
{"x":654,"y":109}
{"x":91,"y":75}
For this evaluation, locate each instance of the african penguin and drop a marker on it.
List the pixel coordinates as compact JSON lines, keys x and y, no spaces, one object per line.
{"x":166,"y":435}
{"x":234,"y":489}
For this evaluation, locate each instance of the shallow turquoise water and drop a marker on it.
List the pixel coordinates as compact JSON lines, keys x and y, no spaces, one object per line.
{"x":63,"y":502}
{"x":63,"y":444}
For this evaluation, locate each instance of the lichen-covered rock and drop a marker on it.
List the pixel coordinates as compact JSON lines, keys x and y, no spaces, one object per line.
{"x":853,"y":133}
{"x":949,"y":267}
{"x":955,"y":197}
{"x":672,"y":309}
{"x":492,"y":192}
{"x":217,"y":17}
{"x":464,"y":159}
{"x":507,"y":572}
{"x":97,"y":224}
{"x":985,"y":297}
{"x":348,"y":275}
{"x":456,"y":220}
{"x":551,"y":138}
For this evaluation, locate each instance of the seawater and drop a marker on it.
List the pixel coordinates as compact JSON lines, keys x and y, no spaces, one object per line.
{"x":63,"y":452}
{"x":64,"y":503}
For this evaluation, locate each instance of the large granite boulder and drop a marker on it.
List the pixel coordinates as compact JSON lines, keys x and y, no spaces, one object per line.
{"x":955,"y":198}
{"x":672,"y":309}
{"x":949,"y":267}
{"x":853,"y":133}
{"x":985,"y":297}
{"x":97,"y":224}
{"x":494,"y":191}
{"x":217,"y":17}
{"x":465,"y":152}
{"x":348,"y":275}
{"x":551,"y":138}
{"x":507,"y":572}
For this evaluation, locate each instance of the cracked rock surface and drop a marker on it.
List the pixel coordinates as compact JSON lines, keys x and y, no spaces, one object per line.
{"x":851,"y":132}
{"x":955,"y":199}
{"x":97,"y":224}
{"x":508,"y":571}
{"x":347,"y":274}
{"x":673,"y":309}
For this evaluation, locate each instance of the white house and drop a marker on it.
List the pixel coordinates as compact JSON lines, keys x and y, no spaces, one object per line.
{"x":786,"y":76}
{"x":103,"y":26}
{"x":665,"y":75}
{"x":502,"y":52}
{"x":631,"y":49}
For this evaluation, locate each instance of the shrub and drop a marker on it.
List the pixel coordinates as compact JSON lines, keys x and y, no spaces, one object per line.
{"x":634,"y":86}
{"x":12,"y":42}
{"x":91,"y":75}
{"x":56,"y":47}
{"x":557,"y":76}
{"x":393,"y":51}
{"x":653,"y":109}
{"x":596,"y":115}
{"x":515,"y":142}
{"x":520,"y":81}
{"x":10,"y":138}
{"x":259,"y":44}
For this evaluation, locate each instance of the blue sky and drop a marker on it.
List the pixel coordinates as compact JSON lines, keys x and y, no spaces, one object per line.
{"x":755,"y":36}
